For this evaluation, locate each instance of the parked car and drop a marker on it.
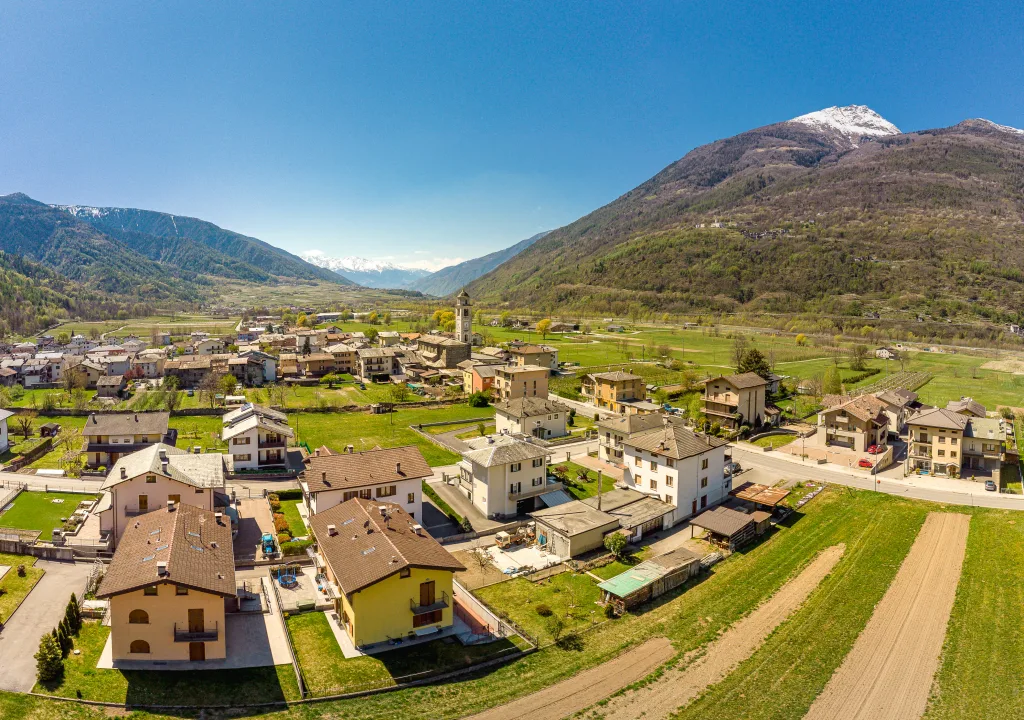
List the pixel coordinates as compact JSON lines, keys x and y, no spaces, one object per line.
{"x":876,"y":449}
{"x":732,"y":468}
{"x":990,"y":486}
{"x":864,"y":463}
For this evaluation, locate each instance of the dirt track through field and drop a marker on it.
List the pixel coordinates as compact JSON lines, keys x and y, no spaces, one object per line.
{"x":677,"y":687}
{"x":888,"y":673}
{"x":581,"y":690}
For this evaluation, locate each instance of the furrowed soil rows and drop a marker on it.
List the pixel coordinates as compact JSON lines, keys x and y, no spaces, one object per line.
{"x":677,"y":687}
{"x":888,"y":673}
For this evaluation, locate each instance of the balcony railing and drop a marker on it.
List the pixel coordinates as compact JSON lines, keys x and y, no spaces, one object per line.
{"x":440,"y":604}
{"x":278,"y":443}
{"x":534,"y":490}
{"x":205,"y":635}
{"x":133,"y":511}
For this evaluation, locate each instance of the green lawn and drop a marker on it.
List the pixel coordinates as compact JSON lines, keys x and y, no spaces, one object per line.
{"x":16,"y":588}
{"x":327,"y":671}
{"x":775,"y":441}
{"x":489,"y":429}
{"x":569,"y":596}
{"x":33,"y":510}
{"x":205,"y":687}
{"x":579,"y":490}
{"x":617,"y":567}
{"x":290,"y":508}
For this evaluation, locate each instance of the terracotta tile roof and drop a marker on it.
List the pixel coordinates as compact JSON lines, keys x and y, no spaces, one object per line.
{"x":940,"y":418}
{"x":530,"y":407}
{"x":372,"y":467}
{"x":745,"y":380}
{"x":967,"y":406}
{"x":195,"y":546}
{"x":862,"y":407}
{"x":143,"y":423}
{"x":365,"y":548}
{"x":205,"y":470}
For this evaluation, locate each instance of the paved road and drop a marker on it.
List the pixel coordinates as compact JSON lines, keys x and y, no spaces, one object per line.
{"x":908,"y":487}
{"x":38,"y":614}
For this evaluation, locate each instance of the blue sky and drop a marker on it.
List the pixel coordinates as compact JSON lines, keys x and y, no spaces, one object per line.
{"x":425,"y":132}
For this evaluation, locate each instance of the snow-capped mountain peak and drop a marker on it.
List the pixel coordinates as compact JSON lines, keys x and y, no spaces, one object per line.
{"x":342,"y":264}
{"x":1003,"y":128}
{"x":852,"y":122}
{"x":82,"y":210}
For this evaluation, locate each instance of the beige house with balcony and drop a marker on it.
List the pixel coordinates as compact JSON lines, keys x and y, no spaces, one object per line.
{"x":945,"y":442}
{"x":393,"y":475}
{"x":614,"y":391}
{"x":168,"y":584}
{"x":151,"y":478}
{"x":518,"y":381}
{"x":257,"y":438}
{"x":504,"y":475}
{"x":542,"y":355}
{"x":107,"y":437}
{"x":855,"y":423}
{"x":735,"y":400}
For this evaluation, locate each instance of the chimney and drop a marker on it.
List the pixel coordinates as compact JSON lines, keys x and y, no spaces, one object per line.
{"x":170,"y":506}
{"x":323,"y":476}
{"x":92,"y":418}
{"x":316,"y":453}
{"x":124,"y":473}
{"x":417,"y":529}
{"x":219,"y":517}
{"x":136,"y":417}
{"x":398,"y":468}
{"x":161,"y":567}
{"x":350,"y":449}
{"x":163,"y":454}
{"x":332,"y":530}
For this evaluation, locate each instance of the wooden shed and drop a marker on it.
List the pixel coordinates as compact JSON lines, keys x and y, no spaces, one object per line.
{"x":650,"y":579}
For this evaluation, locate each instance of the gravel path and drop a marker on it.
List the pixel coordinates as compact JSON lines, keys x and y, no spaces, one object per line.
{"x":678,"y":687}
{"x":888,"y":673}
{"x":582,"y":690}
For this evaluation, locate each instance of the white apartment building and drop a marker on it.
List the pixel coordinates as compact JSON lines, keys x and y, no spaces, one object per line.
{"x":678,"y":466}
{"x":393,"y":474}
{"x":257,"y":437}
{"x":503,"y":475}
{"x":538,"y":417}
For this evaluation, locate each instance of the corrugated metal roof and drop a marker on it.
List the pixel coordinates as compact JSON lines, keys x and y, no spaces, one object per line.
{"x":556,"y":497}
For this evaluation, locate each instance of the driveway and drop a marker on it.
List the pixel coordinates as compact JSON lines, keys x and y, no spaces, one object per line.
{"x":254,"y":519}
{"x":38,"y":614}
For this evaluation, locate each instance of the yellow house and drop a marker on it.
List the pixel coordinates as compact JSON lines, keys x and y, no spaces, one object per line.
{"x":512,"y":382}
{"x":616,"y":391}
{"x":167,"y":585}
{"x":392,"y":579}
{"x":946,"y":442}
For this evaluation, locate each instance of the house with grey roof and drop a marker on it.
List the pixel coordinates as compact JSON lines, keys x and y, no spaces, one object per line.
{"x":154,"y":477}
{"x":536,"y":416}
{"x":504,"y":475}
{"x":257,"y":437}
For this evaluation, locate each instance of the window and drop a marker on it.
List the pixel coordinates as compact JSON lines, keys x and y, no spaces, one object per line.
{"x":180,"y":590}
{"x":139,"y":647}
{"x":404,"y":573}
{"x":242,"y":457}
{"x":670,"y":462}
{"x":151,"y":478}
{"x":942,"y":440}
{"x":638,"y":480}
{"x":654,"y":466}
{"x":704,"y":464}
{"x":387,"y":491}
{"x":411,"y":498}
{"x":149,"y":590}
{"x":174,"y":499}
{"x":516,"y":467}
{"x":537,"y":462}
{"x":138,"y":617}
{"x":240,"y":441}
{"x":668,"y":499}
{"x":346,"y":496}
{"x":366,"y":493}
{"x":654,"y":483}
{"x":941,"y":453}
{"x":537,"y":481}
{"x":952,"y":441}
{"x":703,"y":501}
{"x":669,"y":481}
{"x":952,"y":453}
{"x":638,"y":461}
{"x":412,"y":515}
{"x":199,"y":491}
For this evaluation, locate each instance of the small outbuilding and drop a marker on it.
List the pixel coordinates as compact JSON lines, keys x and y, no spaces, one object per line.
{"x":111,"y":386}
{"x":572,"y":528}
{"x":732,"y":528}
{"x":649,"y":579}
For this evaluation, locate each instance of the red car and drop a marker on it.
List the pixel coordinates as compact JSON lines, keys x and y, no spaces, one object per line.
{"x":864,"y":463}
{"x":875,"y":449}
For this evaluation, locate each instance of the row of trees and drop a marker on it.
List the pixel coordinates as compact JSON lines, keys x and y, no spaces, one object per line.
{"x":55,"y":646}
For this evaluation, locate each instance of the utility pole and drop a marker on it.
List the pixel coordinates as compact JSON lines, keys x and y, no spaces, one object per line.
{"x":599,"y":482}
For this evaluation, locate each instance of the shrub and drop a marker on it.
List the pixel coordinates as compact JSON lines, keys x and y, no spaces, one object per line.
{"x":49,"y":663}
{"x":615,"y":543}
{"x":281,"y":524}
{"x":295,"y":547}
{"x":275,"y":502}
{"x":609,"y":611}
{"x":543,"y":610}
{"x":292,"y":494}
{"x":478,"y":399}
{"x":21,"y":571}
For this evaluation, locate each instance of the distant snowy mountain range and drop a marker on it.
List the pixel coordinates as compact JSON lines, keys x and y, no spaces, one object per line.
{"x":368,"y":273}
